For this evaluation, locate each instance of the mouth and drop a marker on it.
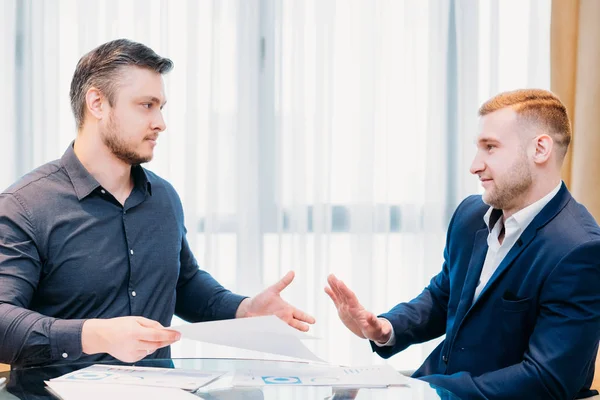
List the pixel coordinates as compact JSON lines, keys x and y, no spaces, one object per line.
{"x":152,"y":140}
{"x":485,"y":182}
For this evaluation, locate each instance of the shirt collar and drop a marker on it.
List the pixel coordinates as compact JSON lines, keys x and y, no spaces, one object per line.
{"x":491,"y":217}
{"x":141,"y":179}
{"x":523,"y":217}
{"x":84,"y":183}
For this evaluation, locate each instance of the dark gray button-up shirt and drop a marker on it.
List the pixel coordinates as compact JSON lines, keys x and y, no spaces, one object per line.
{"x":70,"y":251}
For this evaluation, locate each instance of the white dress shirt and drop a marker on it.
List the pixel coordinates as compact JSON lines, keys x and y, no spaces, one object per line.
{"x":514,"y":226}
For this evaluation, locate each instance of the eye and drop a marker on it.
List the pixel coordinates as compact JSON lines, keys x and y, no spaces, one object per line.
{"x":147,"y":105}
{"x":490,"y":147}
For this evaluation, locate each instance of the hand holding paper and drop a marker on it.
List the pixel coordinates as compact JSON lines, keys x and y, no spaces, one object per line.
{"x":269,"y":302}
{"x":128,"y":339}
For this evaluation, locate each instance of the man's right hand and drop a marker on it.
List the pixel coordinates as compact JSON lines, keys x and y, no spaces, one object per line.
{"x":361,"y":322}
{"x":128,"y":339}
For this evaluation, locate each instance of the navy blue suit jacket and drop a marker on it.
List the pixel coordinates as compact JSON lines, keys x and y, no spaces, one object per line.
{"x":533,"y":332}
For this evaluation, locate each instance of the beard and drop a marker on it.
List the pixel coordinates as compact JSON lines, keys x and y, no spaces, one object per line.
{"x":506,"y":191}
{"x":119,"y":147}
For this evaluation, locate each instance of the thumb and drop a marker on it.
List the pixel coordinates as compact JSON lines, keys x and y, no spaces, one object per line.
{"x":373,"y":321}
{"x":148,"y":323}
{"x":283,"y":282}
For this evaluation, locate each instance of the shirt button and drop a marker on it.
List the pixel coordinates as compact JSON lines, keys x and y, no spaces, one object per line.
{"x":131,"y":251}
{"x":102,"y":191}
{"x":445,"y":359}
{"x":65,"y":355}
{"x":133,"y":293}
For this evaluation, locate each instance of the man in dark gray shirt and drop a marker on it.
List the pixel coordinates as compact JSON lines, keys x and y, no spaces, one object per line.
{"x":94,"y":260}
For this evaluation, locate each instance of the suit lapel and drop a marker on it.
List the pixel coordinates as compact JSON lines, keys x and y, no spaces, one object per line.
{"x":480,"y":248}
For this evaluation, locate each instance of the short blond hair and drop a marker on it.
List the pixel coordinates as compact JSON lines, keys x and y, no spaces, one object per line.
{"x":537,"y":106}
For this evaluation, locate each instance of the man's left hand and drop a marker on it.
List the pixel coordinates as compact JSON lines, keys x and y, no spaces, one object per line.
{"x":269,"y":302}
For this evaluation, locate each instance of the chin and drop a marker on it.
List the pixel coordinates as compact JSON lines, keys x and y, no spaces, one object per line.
{"x":141,"y":158}
{"x":146,"y":154}
{"x":487,"y":198}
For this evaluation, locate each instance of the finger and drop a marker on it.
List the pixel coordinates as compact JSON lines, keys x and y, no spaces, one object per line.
{"x":385,"y":326}
{"x":332,"y":280}
{"x":332,"y":296}
{"x":283,"y":282}
{"x":334,"y":285}
{"x":349,"y":295}
{"x":342,"y":292}
{"x":159,"y":335}
{"x":374,"y":329}
{"x":340,"y":295}
{"x":153,"y":346}
{"x":301,"y":326}
{"x":302,"y":316}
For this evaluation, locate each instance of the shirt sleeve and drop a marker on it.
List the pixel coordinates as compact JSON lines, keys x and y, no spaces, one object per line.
{"x":27,"y":337}
{"x":199,"y":296}
{"x":423,"y":318}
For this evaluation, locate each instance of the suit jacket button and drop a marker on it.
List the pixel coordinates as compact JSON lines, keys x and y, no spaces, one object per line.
{"x":445,"y":359}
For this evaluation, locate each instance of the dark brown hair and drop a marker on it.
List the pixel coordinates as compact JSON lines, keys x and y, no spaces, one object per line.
{"x":100,"y":68}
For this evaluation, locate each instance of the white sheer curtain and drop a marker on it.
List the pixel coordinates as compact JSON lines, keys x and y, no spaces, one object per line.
{"x":375,"y":116}
{"x":317,"y":135}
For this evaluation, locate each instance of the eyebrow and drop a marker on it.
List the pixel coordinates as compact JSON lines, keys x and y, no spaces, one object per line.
{"x":486,"y":140}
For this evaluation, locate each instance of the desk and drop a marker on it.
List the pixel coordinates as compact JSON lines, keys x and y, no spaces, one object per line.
{"x":28,"y":384}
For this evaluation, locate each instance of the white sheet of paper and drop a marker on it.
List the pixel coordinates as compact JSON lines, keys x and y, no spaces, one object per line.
{"x":91,"y":391}
{"x":266,"y":334}
{"x":146,"y":376}
{"x":346,"y":377}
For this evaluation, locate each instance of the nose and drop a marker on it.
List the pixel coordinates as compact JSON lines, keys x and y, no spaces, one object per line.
{"x":158,"y":124}
{"x":477,"y":166}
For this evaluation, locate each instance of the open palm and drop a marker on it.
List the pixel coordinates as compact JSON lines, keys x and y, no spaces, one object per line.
{"x":361,"y":322}
{"x":269,"y":302}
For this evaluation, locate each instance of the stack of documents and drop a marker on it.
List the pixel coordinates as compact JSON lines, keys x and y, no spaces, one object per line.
{"x":101,"y":381}
{"x":92,"y":391}
{"x":146,"y":376}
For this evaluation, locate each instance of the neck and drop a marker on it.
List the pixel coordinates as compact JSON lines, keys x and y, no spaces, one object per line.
{"x":537,"y":191}
{"x":112,"y":173}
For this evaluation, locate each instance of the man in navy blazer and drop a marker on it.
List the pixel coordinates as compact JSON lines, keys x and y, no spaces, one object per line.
{"x":518,"y":297}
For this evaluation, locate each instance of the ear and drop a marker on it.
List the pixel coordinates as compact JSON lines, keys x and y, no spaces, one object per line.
{"x":94,"y":100}
{"x":543,"y":148}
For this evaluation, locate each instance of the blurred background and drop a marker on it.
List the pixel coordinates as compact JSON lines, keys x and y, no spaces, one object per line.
{"x":321,"y":136}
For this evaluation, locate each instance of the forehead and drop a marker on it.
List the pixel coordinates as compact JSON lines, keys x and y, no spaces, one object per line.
{"x":136,"y":81}
{"x":499,"y":125}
